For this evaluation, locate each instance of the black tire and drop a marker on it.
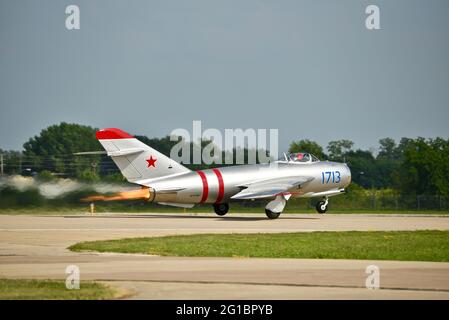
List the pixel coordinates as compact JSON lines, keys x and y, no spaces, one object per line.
{"x":221,"y":208}
{"x":272,"y":215}
{"x":320,"y":208}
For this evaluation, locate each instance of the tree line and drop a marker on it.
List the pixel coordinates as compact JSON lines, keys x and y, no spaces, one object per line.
{"x":409,"y":166}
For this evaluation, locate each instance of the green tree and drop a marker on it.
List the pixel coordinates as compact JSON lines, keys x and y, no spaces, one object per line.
{"x":88,"y":176}
{"x":338,"y":148}
{"x":45,"y":176}
{"x":363,"y":168}
{"x":388,"y":161}
{"x":53,"y":149}
{"x":309,"y":146}
{"x":425,"y":168}
{"x":387,"y":149}
{"x":12,"y":161}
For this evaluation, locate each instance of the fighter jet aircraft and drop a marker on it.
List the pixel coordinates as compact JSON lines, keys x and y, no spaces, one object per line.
{"x":165,"y":181}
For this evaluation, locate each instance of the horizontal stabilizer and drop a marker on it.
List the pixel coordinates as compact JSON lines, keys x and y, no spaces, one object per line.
{"x":89,"y":153}
{"x":125,"y":152}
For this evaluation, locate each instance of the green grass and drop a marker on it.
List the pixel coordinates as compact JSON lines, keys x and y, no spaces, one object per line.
{"x":20,"y":289}
{"x":378,"y":245}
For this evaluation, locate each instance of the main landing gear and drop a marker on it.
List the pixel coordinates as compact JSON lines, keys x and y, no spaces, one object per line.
{"x":321,"y":206}
{"x":271,"y":214}
{"x":275,"y":207}
{"x":221,"y":208}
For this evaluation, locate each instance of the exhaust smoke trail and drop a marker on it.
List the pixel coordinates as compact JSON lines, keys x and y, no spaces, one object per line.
{"x":58,"y":187}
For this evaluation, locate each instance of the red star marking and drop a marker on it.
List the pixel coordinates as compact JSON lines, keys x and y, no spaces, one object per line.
{"x":151,"y":162}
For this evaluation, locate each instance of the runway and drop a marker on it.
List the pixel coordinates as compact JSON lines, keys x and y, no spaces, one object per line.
{"x":35,"y":247}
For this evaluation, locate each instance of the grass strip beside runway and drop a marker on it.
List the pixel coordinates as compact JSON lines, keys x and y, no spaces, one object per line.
{"x":21,"y":289}
{"x":367,"y":245}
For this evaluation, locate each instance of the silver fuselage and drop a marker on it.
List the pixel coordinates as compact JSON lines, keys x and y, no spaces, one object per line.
{"x":208,"y":186}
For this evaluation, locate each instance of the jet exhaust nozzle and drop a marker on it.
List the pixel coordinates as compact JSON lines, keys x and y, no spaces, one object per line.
{"x":143,"y":193}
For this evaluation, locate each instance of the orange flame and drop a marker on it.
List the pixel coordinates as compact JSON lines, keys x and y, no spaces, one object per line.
{"x":143,"y":193}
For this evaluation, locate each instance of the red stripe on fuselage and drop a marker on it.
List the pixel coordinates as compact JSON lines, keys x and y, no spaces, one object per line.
{"x":205,"y":186}
{"x":220,"y":185}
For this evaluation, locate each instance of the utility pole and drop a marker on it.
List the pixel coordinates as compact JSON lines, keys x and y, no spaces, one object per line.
{"x":94,"y":167}
{"x":1,"y":164}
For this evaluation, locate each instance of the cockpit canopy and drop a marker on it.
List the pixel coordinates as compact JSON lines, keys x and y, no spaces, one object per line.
{"x":300,"y":157}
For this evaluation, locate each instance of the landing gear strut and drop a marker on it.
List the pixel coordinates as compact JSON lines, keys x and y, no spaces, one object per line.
{"x":321,"y":206}
{"x":221,"y":208}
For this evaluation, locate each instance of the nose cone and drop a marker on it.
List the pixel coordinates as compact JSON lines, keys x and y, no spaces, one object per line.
{"x":347,"y":175}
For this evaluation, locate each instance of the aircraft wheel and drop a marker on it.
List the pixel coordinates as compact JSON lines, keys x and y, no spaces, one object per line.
{"x":221,"y":208}
{"x":321,"y":207}
{"x":272,"y":215}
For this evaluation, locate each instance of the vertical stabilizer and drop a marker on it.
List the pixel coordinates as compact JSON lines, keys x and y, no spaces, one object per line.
{"x":135,"y":159}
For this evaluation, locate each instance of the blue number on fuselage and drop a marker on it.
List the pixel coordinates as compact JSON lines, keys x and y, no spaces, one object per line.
{"x":338,"y":176}
{"x":326,"y":177}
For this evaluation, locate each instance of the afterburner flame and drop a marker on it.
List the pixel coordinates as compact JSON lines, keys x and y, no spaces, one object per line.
{"x":143,"y":193}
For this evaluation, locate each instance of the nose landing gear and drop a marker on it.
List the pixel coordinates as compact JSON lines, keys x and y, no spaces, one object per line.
{"x":321,"y":206}
{"x":221,"y":208}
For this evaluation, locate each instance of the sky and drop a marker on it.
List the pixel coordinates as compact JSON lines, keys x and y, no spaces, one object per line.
{"x":308,"y":68}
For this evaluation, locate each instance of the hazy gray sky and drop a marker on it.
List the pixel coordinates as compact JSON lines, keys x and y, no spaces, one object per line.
{"x":309,"y":68}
